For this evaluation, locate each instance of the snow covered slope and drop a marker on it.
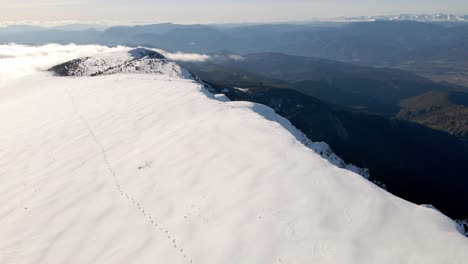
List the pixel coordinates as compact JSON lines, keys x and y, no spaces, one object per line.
{"x":138,"y":60}
{"x":146,"y":61}
{"x":151,"y":168}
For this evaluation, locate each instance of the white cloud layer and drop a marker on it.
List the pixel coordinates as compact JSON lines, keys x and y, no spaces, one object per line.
{"x":17,"y":61}
{"x":180,"y":56}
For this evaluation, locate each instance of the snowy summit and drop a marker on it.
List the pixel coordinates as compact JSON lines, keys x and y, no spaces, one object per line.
{"x":130,"y":159}
{"x":138,"y":60}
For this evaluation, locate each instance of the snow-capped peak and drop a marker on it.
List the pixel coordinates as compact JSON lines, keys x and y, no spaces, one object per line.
{"x":139,"y":60}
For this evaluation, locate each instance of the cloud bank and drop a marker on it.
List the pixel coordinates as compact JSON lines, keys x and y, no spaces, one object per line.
{"x":17,"y":61}
{"x":187,"y":57}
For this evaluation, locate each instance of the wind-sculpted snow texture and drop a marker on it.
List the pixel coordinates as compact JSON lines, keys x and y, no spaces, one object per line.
{"x":144,"y":61}
{"x":151,"y":168}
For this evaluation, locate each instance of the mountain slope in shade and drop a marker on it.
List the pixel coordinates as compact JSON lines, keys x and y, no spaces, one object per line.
{"x":361,"y":88}
{"x":145,"y":168}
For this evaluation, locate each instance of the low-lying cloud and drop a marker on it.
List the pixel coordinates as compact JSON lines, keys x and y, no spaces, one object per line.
{"x":186,"y":57}
{"x":17,"y":61}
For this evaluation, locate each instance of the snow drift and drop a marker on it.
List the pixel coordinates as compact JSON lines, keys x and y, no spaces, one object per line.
{"x":152,"y":168}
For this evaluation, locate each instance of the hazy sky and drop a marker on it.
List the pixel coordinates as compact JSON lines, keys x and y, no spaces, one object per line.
{"x":215,"y":11}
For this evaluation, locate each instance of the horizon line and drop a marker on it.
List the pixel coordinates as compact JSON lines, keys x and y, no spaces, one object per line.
{"x":110,"y":23}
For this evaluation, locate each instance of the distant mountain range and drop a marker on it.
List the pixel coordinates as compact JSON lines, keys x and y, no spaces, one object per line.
{"x":435,"y":50}
{"x":412,"y":17}
{"x":363,"y":41}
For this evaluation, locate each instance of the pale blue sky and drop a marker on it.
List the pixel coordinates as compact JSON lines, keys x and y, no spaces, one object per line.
{"x":215,"y":11}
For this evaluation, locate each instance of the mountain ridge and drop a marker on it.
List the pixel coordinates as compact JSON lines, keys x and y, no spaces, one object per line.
{"x":152,"y":62}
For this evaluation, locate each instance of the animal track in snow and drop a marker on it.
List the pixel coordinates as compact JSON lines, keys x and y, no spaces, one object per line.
{"x":118,"y":184}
